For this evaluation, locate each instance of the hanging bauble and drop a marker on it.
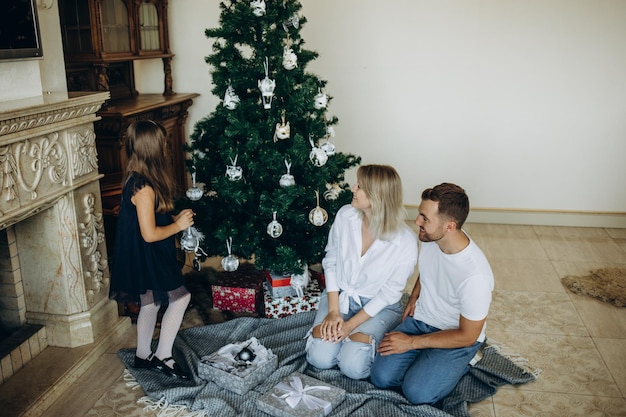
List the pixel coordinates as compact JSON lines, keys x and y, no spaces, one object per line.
{"x":318,"y":216}
{"x":332,"y":192}
{"x":194,"y":193}
{"x":274,"y":229}
{"x":287,"y":180}
{"x":231,"y":99}
{"x":320,"y":101}
{"x":267,"y":87}
{"x":290,"y":59}
{"x":292,"y":22}
{"x":234,"y":172}
{"x":230,"y":263}
{"x":258,"y":7}
{"x":317,"y":155}
{"x":283,"y":130}
{"x":190,"y":239}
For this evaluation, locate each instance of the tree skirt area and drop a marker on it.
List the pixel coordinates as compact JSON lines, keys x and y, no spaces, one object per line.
{"x":606,"y":284}
{"x":286,"y":338}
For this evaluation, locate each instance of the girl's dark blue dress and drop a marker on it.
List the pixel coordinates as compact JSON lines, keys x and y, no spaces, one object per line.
{"x":138,"y":266}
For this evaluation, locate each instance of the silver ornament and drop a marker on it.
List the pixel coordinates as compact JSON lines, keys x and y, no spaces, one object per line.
{"x":274,"y":229}
{"x":230,"y":263}
{"x":287,"y":180}
{"x":194,"y":193}
{"x":318,"y":216}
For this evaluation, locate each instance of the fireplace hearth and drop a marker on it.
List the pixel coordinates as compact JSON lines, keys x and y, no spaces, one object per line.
{"x":54,"y":275}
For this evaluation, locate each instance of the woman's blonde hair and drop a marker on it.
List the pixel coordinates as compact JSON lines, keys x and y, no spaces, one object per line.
{"x":146,"y":152}
{"x":383,"y":187}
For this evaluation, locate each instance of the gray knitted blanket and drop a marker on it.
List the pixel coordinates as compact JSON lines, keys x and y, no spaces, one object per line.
{"x":286,"y":338}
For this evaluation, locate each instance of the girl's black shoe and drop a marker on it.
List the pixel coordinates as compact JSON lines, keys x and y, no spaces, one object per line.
{"x":175,"y":371}
{"x":143,"y":363}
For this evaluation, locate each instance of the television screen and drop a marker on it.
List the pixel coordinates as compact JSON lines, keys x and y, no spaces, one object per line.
{"x":19,"y":30}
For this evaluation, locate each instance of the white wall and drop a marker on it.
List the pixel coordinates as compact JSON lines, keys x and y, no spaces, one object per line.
{"x":523,"y":103}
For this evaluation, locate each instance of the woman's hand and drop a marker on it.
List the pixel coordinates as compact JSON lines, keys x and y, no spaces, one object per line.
{"x":332,"y":326}
{"x":184,"y":219}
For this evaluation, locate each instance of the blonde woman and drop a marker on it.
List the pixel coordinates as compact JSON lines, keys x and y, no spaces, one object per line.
{"x":370,"y":254}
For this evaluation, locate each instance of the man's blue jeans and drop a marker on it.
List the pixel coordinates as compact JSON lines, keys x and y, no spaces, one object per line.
{"x":425,"y":375}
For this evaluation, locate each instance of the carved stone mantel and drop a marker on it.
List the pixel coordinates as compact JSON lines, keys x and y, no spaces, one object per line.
{"x":50,"y":196}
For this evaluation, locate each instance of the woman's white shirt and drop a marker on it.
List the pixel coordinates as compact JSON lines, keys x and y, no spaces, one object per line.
{"x":380,"y":274}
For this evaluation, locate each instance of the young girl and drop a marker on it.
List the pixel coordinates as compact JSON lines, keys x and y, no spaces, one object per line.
{"x":370,"y":254}
{"x":144,"y":265}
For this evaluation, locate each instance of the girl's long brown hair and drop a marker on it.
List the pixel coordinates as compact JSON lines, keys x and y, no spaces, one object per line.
{"x":146,"y":152}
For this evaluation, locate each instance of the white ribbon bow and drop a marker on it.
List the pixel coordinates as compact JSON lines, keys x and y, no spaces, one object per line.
{"x":296,"y":392}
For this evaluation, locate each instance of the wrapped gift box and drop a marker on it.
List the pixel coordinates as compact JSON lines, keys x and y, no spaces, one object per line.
{"x":279,"y":285}
{"x":239,"y":291}
{"x":299,"y":395}
{"x":279,"y":307}
{"x":236,"y":383}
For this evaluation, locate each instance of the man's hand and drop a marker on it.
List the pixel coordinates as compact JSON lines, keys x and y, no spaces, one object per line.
{"x":394,"y":343}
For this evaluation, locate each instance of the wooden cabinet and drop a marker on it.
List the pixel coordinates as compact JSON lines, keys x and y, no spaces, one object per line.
{"x":101,"y":39}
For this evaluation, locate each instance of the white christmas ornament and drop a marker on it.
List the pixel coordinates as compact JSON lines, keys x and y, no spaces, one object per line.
{"x":317,"y":155}
{"x":283,"y":131}
{"x":190,"y":242}
{"x":320,"y":101}
{"x":287,"y":180}
{"x":233,"y":172}
{"x":332,"y":192}
{"x":274,"y":229}
{"x":267,"y":87}
{"x":292,"y":22}
{"x":258,"y":7}
{"x":318,"y":216}
{"x":290,"y":59}
{"x":230,"y":263}
{"x":231,"y":99}
{"x":194,"y":193}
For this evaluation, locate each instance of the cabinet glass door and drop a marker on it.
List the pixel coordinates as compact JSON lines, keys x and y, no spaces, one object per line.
{"x":149,"y":27}
{"x":115,"y":26}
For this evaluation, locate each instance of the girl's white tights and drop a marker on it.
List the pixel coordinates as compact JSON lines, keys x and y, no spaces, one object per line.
{"x":170,"y":324}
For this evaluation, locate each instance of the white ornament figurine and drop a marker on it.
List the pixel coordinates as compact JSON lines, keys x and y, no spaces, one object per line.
{"x":287,"y":180}
{"x":233,"y":172}
{"x":258,"y":7}
{"x":317,"y":155}
{"x":274,"y":229}
{"x":231,"y":99}
{"x":283,"y":131}
{"x":332,"y":192}
{"x":318,"y":216}
{"x":267,"y":87}
{"x":290,"y":59}
{"x":320,"y":101}
{"x":230,"y":263}
{"x":292,"y":22}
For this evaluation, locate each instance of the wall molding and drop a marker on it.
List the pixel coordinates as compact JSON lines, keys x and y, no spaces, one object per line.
{"x":537,"y":217}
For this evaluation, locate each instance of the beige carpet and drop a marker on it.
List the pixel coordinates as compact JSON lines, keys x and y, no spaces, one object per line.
{"x":606,"y":284}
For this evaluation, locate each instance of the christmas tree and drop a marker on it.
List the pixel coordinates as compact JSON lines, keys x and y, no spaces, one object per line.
{"x":267,"y":179}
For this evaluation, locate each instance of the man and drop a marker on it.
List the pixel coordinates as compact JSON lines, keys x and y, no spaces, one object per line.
{"x":444,"y":322}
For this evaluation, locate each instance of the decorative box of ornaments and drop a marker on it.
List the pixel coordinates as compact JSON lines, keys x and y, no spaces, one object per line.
{"x":238,"y":367}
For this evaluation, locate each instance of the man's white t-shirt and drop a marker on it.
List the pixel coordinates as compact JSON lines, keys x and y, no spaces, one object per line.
{"x":453,"y":285}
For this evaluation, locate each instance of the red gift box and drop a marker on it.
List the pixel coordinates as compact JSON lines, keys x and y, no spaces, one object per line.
{"x":278,"y":280}
{"x":239,"y":291}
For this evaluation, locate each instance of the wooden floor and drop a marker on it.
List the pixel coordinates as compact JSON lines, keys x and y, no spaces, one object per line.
{"x":578,"y":342}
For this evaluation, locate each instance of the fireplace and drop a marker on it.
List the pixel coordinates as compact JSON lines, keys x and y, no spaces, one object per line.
{"x":54,"y":275}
